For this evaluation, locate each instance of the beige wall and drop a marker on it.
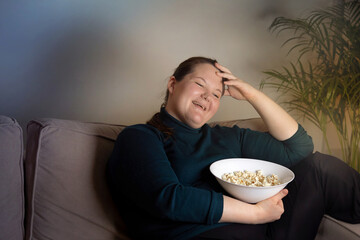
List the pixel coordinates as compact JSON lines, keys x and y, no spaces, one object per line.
{"x":108,"y":61}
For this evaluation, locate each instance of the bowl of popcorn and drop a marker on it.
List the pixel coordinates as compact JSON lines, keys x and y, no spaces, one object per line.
{"x":251,"y":180}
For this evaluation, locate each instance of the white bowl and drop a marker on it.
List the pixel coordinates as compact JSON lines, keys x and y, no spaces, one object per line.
{"x":251,"y":194}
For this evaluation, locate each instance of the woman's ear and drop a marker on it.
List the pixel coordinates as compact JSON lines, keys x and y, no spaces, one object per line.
{"x":171,"y":84}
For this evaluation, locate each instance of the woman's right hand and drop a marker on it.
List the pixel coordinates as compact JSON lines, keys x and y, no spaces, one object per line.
{"x":279,"y":123}
{"x":236,"y":88}
{"x":265,"y":211}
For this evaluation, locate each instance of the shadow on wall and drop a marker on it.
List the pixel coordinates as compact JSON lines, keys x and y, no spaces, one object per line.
{"x":107,"y":60}
{"x":74,"y":69}
{"x":54,"y":63}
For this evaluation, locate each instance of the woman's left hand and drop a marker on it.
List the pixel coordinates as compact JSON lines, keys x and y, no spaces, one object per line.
{"x":236,"y":88}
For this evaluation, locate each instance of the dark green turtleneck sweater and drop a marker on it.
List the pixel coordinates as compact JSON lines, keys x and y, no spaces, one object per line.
{"x":163,"y":187}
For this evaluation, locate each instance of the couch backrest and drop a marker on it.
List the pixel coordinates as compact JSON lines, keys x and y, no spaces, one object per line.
{"x":66,"y":191}
{"x":256,"y":124}
{"x":11,"y":180}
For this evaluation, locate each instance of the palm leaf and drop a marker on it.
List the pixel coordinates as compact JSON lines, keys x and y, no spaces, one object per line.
{"x":328,"y":89}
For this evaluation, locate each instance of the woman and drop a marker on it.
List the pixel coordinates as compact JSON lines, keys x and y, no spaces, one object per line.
{"x":159,"y":172}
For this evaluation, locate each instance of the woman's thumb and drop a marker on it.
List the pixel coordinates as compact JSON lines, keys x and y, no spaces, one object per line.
{"x":283,"y":193}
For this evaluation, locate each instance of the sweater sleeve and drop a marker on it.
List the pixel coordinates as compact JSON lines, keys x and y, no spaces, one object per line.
{"x":264,"y":146}
{"x":139,"y":167}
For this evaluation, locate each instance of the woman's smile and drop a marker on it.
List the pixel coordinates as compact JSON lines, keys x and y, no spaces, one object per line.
{"x":199,"y":105}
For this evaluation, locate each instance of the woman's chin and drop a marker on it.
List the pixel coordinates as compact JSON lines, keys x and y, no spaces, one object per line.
{"x":196,"y":122}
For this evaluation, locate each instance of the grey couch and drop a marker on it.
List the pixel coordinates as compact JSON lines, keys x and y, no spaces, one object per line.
{"x":63,"y":194}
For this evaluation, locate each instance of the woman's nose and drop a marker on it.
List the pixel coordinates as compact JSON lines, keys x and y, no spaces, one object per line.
{"x":205,"y":96}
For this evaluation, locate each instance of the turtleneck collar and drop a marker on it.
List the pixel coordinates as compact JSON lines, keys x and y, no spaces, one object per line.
{"x":172,"y":122}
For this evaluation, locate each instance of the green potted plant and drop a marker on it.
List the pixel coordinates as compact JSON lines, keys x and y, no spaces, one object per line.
{"x":323,"y":85}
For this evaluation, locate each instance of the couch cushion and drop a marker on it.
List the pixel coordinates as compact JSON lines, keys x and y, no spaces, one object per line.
{"x":332,"y":229}
{"x":67,"y":195}
{"x":11,"y":180}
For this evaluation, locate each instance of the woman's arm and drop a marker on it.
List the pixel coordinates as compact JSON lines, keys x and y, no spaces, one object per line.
{"x":265,"y":211}
{"x":280,"y":124}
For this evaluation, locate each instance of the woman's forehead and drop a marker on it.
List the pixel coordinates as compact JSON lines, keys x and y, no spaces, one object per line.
{"x":207,"y":72}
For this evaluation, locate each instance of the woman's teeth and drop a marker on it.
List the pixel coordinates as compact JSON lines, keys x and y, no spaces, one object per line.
{"x":198,"y":104}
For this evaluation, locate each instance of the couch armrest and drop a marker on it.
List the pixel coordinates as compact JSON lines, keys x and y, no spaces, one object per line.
{"x":11,"y":180}
{"x":332,"y":229}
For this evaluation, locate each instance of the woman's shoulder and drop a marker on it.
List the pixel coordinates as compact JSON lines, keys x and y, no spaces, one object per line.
{"x":144,"y":130}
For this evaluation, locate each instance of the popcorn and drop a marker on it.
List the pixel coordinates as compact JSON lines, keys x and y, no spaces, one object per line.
{"x":255,"y":179}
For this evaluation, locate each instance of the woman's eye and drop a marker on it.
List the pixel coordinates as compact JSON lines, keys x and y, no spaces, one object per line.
{"x":199,"y":84}
{"x":215,"y":95}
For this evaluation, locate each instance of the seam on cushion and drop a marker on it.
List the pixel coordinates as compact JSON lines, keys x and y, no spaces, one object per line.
{"x":80,"y":131}
{"x":40,"y":122}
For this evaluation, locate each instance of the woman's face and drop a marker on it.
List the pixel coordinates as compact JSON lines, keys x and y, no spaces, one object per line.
{"x":196,"y":98}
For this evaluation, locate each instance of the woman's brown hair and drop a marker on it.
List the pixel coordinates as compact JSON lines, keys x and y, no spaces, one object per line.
{"x":185,"y":68}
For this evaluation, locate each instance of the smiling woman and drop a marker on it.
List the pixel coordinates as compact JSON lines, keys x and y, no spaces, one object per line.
{"x":196,"y":98}
{"x":195,"y":76}
{"x":159,"y":173}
